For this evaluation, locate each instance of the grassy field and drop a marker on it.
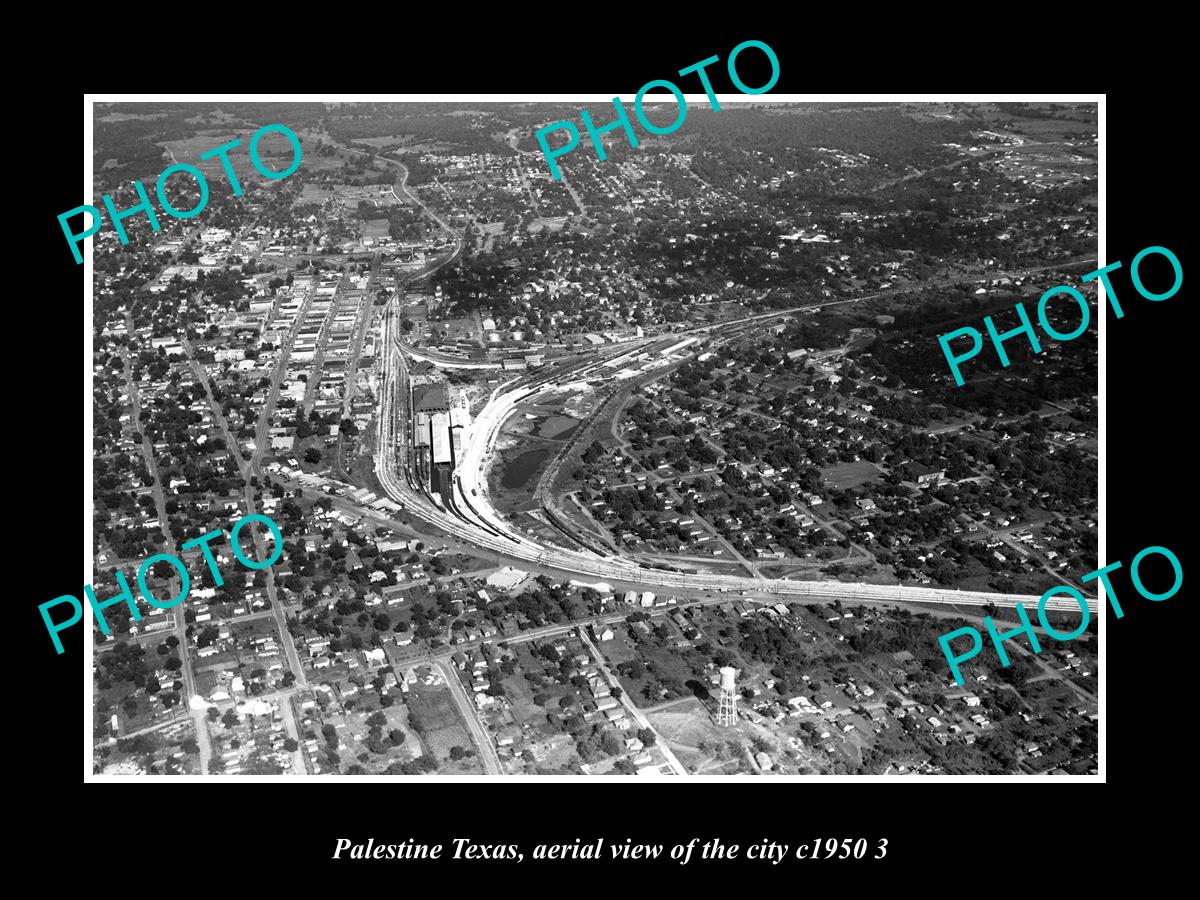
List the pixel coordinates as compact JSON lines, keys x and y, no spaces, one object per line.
{"x":137,"y":754}
{"x":1053,"y":129}
{"x":315,"y":194}
{"x":619,"y":649}
{"x":275,"y":150}
{"x":671,"y":670}
{"x":520,"y":695}
{"x":383,"y":141}
{"x":441,"y":740}
{"x":685,"y":725}
{"x":849,"y":475}
{"x":375,"y":228}
{"x":444,"y":728}
{"x":434,"y":706}
{"x":189,"y":150}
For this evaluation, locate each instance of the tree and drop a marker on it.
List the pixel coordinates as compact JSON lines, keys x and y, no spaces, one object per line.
{"x":396,"y":736}
{"x":611,"y":744}
{"x":646,"y":736}
{"x":291,"y":745}
{"x":312,"y":455}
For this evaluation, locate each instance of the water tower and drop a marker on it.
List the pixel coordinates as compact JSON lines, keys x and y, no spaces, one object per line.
{"x":727,"y":712}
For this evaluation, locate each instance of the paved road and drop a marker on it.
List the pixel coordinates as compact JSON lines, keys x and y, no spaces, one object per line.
{"x":990,"y":150}
{"x":249,"y":468}
{"x":292,"y":727}
{"x":475,"y":520}
{"x":672,"y":760}
{"x":466,"y":709}
{"x":180,"y":629}
{"x":366,"y":319}
{"x":483,"y":741}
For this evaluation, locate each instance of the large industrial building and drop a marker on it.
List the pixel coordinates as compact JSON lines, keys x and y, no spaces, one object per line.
{"x":439,"y":439}
{"x":439,"y":415}
{"x":431,"y":398}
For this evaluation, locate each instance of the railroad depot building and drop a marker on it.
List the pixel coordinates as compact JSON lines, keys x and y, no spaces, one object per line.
{"x":439,"y":418}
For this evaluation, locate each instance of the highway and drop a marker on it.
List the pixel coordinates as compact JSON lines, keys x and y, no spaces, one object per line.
{"x":470,"y":514}
{"x":448,"y":362}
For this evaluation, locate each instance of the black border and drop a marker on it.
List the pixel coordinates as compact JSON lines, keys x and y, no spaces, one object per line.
{"x":1148,"y":401}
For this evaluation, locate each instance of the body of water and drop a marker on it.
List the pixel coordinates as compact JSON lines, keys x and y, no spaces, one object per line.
{"x":558,"y":428}
{"x":518,"y":472}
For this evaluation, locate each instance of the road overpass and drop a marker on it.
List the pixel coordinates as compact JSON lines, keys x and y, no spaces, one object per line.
{"x":471,"y":516}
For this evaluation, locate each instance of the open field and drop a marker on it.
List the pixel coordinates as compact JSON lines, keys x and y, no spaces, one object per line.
{"x":433,"y":707}
{"x":315,"y":194}
{"x":441,"y":727}
{"x":848,"y":475}
{"x":275,"y":149}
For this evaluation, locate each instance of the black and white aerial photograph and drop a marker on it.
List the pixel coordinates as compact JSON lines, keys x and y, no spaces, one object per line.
{"x":446,"y":448}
